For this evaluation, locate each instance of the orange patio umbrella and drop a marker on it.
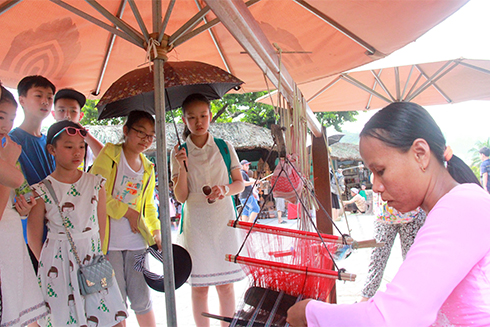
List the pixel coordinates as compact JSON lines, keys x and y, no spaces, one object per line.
{"x":427,"y":84}
{"x":87,"y":45}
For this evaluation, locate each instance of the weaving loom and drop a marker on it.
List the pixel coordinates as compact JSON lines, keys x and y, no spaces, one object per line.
{"x":285,"y":265}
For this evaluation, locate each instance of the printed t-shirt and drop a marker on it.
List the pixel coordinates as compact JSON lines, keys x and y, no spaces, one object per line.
{"x":128,"y":187}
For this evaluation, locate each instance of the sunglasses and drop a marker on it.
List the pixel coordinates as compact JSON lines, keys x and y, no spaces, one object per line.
{"x":72,"y":131}
{"x":206,"y":190}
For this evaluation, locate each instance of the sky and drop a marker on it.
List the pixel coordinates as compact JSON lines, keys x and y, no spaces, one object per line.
{"x":464,"y":34}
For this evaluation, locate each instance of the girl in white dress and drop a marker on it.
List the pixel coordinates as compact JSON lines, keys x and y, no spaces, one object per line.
{"x":22,"y":301}
{"x":81,"y":198}
{"x":204,"y":231}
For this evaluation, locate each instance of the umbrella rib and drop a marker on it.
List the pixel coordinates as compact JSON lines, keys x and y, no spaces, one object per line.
{"x":215,"y":41}
{"x":434,"y":85}
{"x":482,"y":70}
{"x":434,"y":78}
{"x":414,"y":84}
{"x":325,"y":88}
{"x":406,"y":83}
{"x":108,"y":52}
{"x":383,"y":86}
{"x":362,"y":86}
{"x":410,"y":95}
{"x":187,"y":36}
{"x":188,"y":25}
{"x":397,"y":83}
{"x":370,"y":49}
{"x":116,"y":21}
{"x":99,"y":23}
{"x":8,"y":5}
{"x":166,"y":20}
{"x":368,"y":105}
{"x":140,"y":21}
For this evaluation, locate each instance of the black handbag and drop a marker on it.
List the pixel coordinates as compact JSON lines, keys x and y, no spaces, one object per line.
{"x":95,"y":276}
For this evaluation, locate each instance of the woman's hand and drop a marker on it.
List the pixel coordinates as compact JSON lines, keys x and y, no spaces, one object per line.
{"x":23,"y":206}
{"x":133,"y":216}
{"x":218,"y":192}
{"x":157,"y":236}
{"x":297,"y":314}
{"x":180,"y":155}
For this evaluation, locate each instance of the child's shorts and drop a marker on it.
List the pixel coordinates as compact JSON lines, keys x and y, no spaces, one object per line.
{"x":251,"y":206}
{"x":131,"y":283}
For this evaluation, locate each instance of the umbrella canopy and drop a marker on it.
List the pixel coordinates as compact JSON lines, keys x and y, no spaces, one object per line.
{"x":317,"y":37}
{"x":135,"y":90}
{"x":426,"y":84}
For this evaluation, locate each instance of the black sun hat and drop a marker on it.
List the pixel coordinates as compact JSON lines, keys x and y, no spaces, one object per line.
{"x":57,"y":127}
{"x":70,"y":94}
{"x":182,"y":267}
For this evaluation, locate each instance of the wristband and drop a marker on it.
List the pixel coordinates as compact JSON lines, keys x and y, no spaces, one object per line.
{"x":227,"y":189}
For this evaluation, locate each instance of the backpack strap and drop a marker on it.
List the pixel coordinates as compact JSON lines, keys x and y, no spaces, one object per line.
{"x":225,"y":153}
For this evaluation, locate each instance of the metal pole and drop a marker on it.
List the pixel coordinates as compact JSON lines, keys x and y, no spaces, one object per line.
{"x":162,"y":168}
{"x":168,"y":261}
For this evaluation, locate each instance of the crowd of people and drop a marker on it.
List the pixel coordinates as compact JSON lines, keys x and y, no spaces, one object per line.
{"x":77,"y":200}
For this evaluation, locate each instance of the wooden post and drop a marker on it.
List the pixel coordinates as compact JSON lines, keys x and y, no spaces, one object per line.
{"x":321,"y":180}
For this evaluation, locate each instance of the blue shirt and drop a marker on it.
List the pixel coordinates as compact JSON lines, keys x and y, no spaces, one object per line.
{"x":485,"y":168}
{"x":34,"y":160}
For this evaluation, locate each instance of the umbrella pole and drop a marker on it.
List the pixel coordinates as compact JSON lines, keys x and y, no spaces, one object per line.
{"x":162,"y":167}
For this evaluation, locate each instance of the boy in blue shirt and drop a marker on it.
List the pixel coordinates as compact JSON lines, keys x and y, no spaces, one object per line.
{"x":36,"y":98}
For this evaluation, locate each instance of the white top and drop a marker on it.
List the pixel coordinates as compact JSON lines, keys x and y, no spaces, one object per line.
{"x":127,"y":188}
{"x":205,"y":234}
{"x":202,"y":159}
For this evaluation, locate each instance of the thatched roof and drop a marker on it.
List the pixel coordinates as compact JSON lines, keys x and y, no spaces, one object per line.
{"x":345,"y":151}
{"x":243,"y":136}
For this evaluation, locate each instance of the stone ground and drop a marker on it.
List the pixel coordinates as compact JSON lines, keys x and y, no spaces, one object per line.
{"x":361,"y":227}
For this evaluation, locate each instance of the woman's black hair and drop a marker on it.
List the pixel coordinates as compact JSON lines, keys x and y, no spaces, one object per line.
{"x":399,"y":124}
{"x":7,"y":97}
{"x":196,"y":97}
{"x":137,"y":115}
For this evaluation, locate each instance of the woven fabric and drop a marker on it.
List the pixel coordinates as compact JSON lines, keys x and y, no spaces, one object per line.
{"x":287,"y":183}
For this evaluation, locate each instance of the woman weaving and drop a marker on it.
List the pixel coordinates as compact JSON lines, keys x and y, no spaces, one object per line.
{"x":444,"y":280}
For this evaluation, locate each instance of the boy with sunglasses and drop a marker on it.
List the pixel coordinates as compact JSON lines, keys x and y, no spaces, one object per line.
{"x":68,"y":104}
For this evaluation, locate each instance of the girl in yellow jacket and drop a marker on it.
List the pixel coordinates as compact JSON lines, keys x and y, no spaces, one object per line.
{"x":132,"y":222}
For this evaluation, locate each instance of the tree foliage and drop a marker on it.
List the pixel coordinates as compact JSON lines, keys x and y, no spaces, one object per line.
{"x":336,"y":118}
{"x":243,"y":107}
{"x":239,"y":107}
{"x":90,"y":115}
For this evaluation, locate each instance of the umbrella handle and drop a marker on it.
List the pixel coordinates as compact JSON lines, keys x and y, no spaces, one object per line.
{"x":180,"y":147}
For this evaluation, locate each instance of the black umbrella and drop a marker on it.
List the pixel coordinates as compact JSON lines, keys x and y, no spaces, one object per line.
{"x":135,"y":90}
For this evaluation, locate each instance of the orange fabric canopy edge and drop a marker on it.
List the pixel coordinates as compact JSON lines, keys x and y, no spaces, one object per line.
{"x":40,"y":37}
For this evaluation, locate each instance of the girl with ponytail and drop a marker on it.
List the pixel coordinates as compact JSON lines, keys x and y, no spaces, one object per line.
{"x":444,"y":278}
